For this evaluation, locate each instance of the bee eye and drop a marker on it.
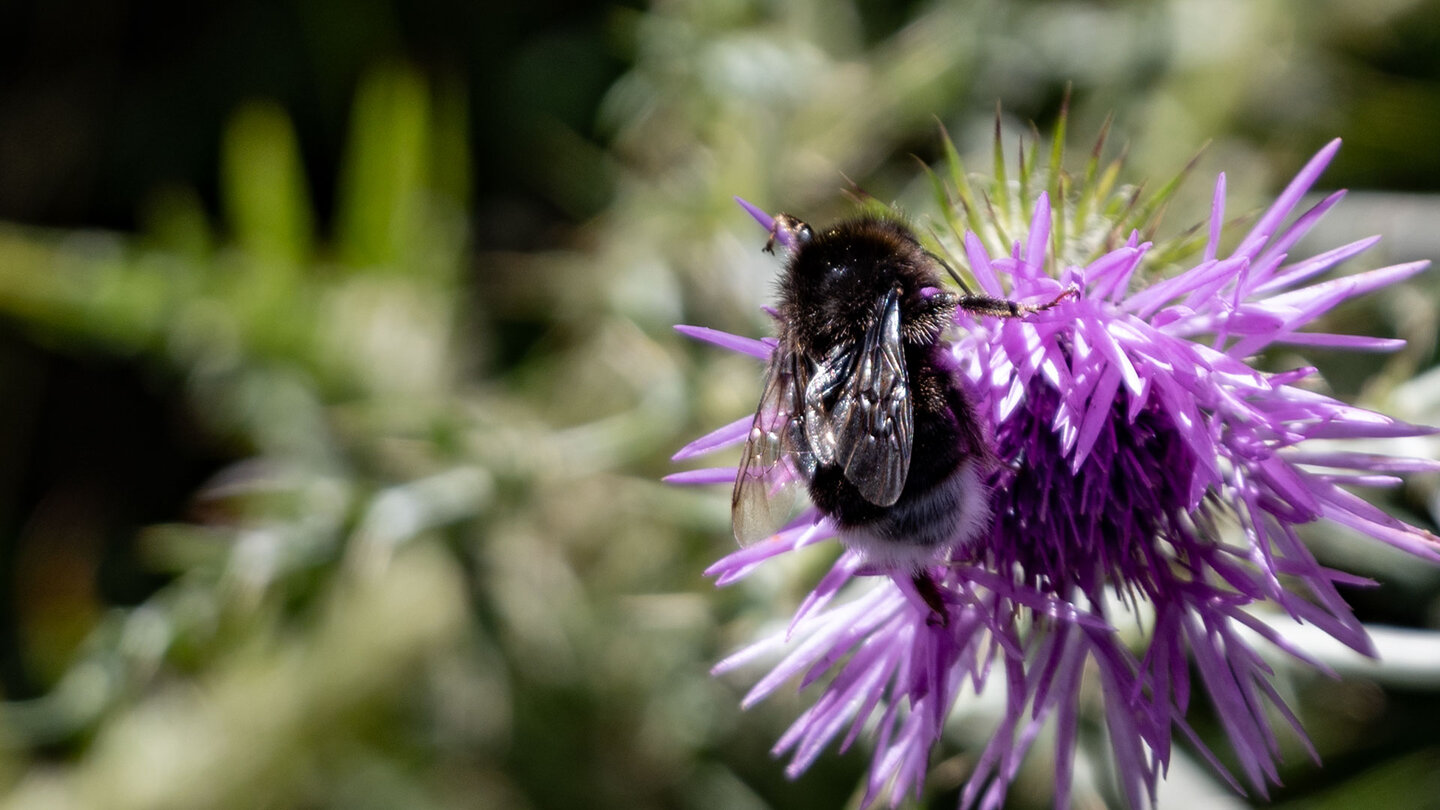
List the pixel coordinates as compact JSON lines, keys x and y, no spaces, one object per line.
{"x":803,"y":234}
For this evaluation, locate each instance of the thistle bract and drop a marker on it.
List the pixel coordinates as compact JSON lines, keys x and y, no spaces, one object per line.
{"x":1147,"y":469}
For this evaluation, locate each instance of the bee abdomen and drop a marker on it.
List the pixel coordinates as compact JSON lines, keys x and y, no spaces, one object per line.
{"x":920,"y":527}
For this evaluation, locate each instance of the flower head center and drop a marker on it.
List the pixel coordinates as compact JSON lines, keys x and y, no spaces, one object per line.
{"x":1103,"y":523}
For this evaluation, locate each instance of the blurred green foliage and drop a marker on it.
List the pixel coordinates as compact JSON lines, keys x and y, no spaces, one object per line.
{"x":334,"y":481}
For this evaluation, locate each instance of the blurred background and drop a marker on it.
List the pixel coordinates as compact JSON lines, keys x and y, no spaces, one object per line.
{"x":338,"y":378}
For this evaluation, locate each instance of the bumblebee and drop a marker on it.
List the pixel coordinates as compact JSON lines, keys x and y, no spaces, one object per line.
{"x":861,"y":403}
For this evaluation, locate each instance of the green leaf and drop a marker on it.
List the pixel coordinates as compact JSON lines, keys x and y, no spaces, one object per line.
{"x":263,"y":186}
{"x":385,"y":168}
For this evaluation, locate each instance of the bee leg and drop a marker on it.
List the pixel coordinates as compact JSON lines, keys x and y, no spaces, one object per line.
{"x":789,"y":231}
{"x":1069,"y":293}
{"x":930,"y":592}
{"x":1003,"y":308}
{"x":986,"y":305}
{"x":927,"y":318}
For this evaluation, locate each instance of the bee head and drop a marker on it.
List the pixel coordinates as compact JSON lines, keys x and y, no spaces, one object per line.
{"x":835,"y":278}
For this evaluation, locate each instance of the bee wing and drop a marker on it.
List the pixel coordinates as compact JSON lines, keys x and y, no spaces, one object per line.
{"x":858,"y":413}
{"x":776,"y":456}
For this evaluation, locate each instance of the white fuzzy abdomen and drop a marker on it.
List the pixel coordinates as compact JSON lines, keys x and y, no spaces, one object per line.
{"x":922,"y":530}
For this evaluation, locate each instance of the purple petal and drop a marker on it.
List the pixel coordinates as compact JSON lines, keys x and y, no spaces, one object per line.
{"x":980,"y":266}
{"x":708,"y":475}
{"x":725,"y":340}
{"x":1357,"y":343}
{"x":1039,"y":243}
{"x":1272,"y":255}
{"x":727,"y":436}
{"x":1287,"y":200}
{"x":1374,"y":462}
{"x":766,"y":221}
{"x":1107,"y":275}
{"x":1318,"y":298}
{"x":840,"y":574}
{"x":1217,"y":218}
{"x":1350,"y":510}
{"x":1147,"y":302}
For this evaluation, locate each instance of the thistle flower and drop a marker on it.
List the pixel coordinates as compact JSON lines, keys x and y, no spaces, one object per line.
{"x":1147,"y":469}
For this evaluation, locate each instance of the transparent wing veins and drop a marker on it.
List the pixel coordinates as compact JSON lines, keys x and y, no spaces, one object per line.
{"x":858,"y":412}
{"x":775,"y":458}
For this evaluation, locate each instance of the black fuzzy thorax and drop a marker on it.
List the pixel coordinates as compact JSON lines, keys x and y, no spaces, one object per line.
{"x":831,"y":288}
